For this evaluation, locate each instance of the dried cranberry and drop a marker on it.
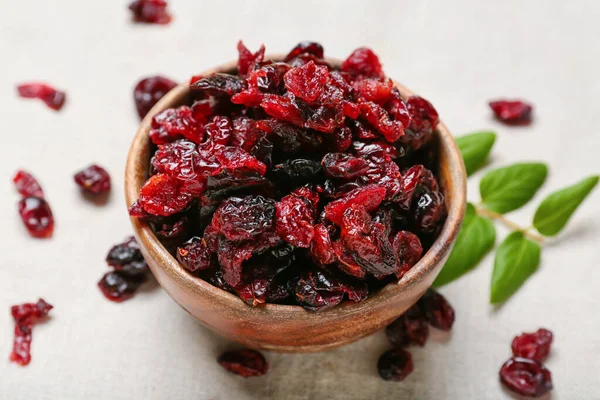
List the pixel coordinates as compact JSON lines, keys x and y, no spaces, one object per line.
{"x":369,"y":197}
{"x":164,"y":195}
{"x":363,"y":62}
{"x":247,"y":59}
{"x":375,"y":90}
{"x":27,"y":185}
{"x":344,"y":166}
{"x":296,"y":172}
{"x":395,"y":365}
{"x":294,"y":219}
{"x":512,"y":111}
{"x":307,"y":82}
{"x":93,"y":179}
{"x":149,"y":91}
{"x":380,"y":119}
{"x":526,"y":377}
{"x":179,"y":159}
{"x":219,"y":84}
{"x":409,"y":249}
{"x":244,"y":362}
{"x":312,"y":48}
{"x":318,"y":291}
{"x":409,"y":328}
{"x":173,"y":124}
{"x":26,"y":316}
{"x":436,"y":310}
{"x":321,"y":247}
{"x":150,"y":11}
{"x":283,"y":109}
{"x":194,"y":255}
{"x":30,"y":313}
{"x":428,"y":210}
{"x":244,"y":218}
{"x":55,"y":99}
{"x":534,"y":346}
{"x":127,"y":258}
{"x":118,"y":286}
{"x":37,"y":216}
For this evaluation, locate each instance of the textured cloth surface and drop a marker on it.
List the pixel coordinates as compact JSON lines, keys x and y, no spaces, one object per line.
{"x":459,"y":54}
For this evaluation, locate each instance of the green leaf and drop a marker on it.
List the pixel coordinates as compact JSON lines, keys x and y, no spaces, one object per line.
{"x":475,"y":239}
{"x":508,"y":188}
{"x":475,"y":149}
{"x":554,"y":212}
{"x":516,"y":259}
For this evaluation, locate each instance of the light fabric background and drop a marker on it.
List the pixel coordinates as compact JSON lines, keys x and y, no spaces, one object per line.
{"x":459,"y":54}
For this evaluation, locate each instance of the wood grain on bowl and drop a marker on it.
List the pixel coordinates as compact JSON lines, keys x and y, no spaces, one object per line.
{"x":283,"y":327}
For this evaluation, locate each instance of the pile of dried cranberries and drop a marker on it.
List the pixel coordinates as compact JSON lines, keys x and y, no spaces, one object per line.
{"x":295,"y":182}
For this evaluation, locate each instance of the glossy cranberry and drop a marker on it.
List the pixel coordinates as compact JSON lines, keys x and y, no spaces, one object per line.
{"x":395,"y":365}
{"x":164,"y":195}
{"x":409,"y":250}
{"x":534,"y":346}
{"x":25,"y":317}
{"x":343,"y":165}
{"x":30,"y":313}
{"x":247,"y":59}
{"x":150,"y":11}
{"x":512,"y":111}
{"x":307,"y":82}
{"x":36,"y":215}
{"x":27,"y":185}
{"x":312,"y":48}
{"x":175,"y":123}
{"x":322,"y":249}
{"x":294,"y":220}
{"x":363,"y":62}
{"x":370,"y":197}
{"x":219,"y":85}
{"x":526,"y":377}
{"x":244,"y":218}
{"x":117,"y":286}
{"x":149,"y":91}
{"x":127,"y":258}
{"x":55,"y":99}
{"x":244,"y":362}
{"x":93,"y":179}
{"x":409,"y":328}
{"x":436,"y":310}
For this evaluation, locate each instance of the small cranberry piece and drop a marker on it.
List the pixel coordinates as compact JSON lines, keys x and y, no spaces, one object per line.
{"x":27,"y":185}
{"x":375,"y":90}
{"x":55,"y":99}
{"x":247,"y":59}
{"x":194,"y":255}
{"x":534,"y":346}
{"x":244,"y":218}
{"x":409,"y":249}
{"x":307,"y":82}
{"x":380,"y":119}
{"x":149,"y":91}
{"x":344,"y":165}
{"x":369,"y":197}
{"x":283,"y":109}
{"x":150,"y":11}
{"x":321,"y":247}
{"x":232,"y":158}
{"x":118,"y":286}
{"x":30,"y":313}
{"x":164,"y":195}
{"x":294,"y":218}
{"x":409,"y":328}
{"x":127,"y":258}
{"x":526,"y":377}
{"x":318,"y":291}
{"x":395,"y":365}
{"x":436,"y":310}
{"x":37,"y":216}
{"x":26,"y":316}
{"x":512,"y":111}
{"x":363,"y":62}
{"x":219,"y":84}
{"x":312,"y":48}
{"x":93,"y":179}
{"x":173,"y":124}
{"x":244,"y":362}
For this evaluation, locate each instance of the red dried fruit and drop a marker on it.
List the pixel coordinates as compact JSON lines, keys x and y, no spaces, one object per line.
{"x":512,"y":111}
{"x":282,"y":108}
{"x":380,"y":119}
{"x":395,"y":365}
{"x":369,"y":197}
{"x":344,"y":166}
{"x":363,"y":62}
{"x":27,"y":185}
{"x":409,"y":328}
{"x":244,"y":218}
{"x":375,"y":90}
{"x":194,"y":255}
{"x":307,"y":82}
{"x":219,"y":85}
{"x":173,"y":124}
{"x":55,"y":99}
{"x":319,"y":290}
{"x":294,"y":219}
{"x":428,"y":209}
{"x":312,"y":48}
{"x":233,"y":158}
{"x":321,"y":248}
{"x":423,"y":121}
{"x":244,"y":362}
{"x":436,"y":310}
{"x":26,"y":316}
{"x":164,"y":195}
{"x":149,"y":91}
{"x":178,"y":159}
{"x":150,"y":11}
{"x":534,"y":346}
{"x":117,"y":286}
{"x":247,"y":59}
{"x":127,"y":258}
{"x":526,"y":377}
{"x":93,"y":179}
{"x":409,"y":250}
{"x":36,"y":215}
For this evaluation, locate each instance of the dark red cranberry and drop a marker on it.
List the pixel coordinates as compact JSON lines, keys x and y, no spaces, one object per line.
{"x":307,"y":82}
{"x":294,"y":220}
{"x":363,"y":62}
{"x":512,"y":111}
{"x":369,"y":197}
{"x":312,"y":48}
{"x":93,"y":179}
{"x":535,"y":346}
{"x":409,"y":249}
{"x":409,"y":328}
{"x":27,"y":185}
{"x":219,"y":85}
{"x":117,"y":286}
{"x":395,"y":365}
{"x":26,"y":316}
{"x":526,"y":377}
{"x":149,"y":91}
{"x":164,"y":195}
{"x":344,"y":166}
{"x":150,"y":11}
{"x":37,"y":216}
{"x":127,"y":258}
{"x":436,"y":310}
{"x":194,"y":255}
{"x":244,"y":362}
{"x":55,"y":99}
{"x":247,"y":59}
{"x":175,"y":123}
{"x":244,"y":218}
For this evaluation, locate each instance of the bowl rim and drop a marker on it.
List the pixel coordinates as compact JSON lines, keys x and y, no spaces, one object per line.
{"x":428,"y":262}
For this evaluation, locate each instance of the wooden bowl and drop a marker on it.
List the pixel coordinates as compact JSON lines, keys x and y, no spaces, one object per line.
{"x":282,"y":327}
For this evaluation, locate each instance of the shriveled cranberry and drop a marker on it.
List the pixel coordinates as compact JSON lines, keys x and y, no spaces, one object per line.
{"x":233,"y":158}
{"x":321,"y":248}
{"x":149,"y":91}
{"x":294,"y":219}
{"x":244,"y":362}
{"x":164,"y":195}
{"x":127,"y":258}
{"x":526,"y":377}
{"x":428,"y":209}
{"x":93,"y":179}
{"x":423,"y":121}
{"x":409,"y":249}
{"x":27,"y":185}
{"x":534,"y":346}
{"x":244,"y":218}
{"x":512,"y":112}
{"x":150,"y":11}
{"x":173,"y":124}
{"x":117,"y":286}
{"x":395,"y":365}
{"x":436,"y":310}
{"x":194,"y":255}
{"x":409,"y":328}
{"x":307,"y":82}
{"x":312,"y":48}
{"x":283,"y":109}
{"x":219,"y":84}
{"x":247,"y":59}
{"x":30,"y":313}
{"x":318,"y":291}
{"x":55,"y":99}
{"x":369,"y":197}
{"x":375,"y":90}
{"x":179,"y":159}
{"x":26,"y":316}
{"x":344,"y":166}
{"x":380,"y":119}
{"x":295,"y":172}
{"x":37,"y":216}
{"x":363,"y":62}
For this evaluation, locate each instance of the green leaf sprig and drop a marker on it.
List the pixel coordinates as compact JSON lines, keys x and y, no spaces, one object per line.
{"x":503,"y":190}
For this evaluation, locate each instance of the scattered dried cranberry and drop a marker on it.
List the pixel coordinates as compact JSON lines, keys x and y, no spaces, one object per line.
{"x":149,"y":91}
{"x":409,"y":328}
{"x":118,"y":286}
{"x":295,"y":181}
{"x":93,"y":179}
{"x":150,"y":11}
{"x":436,"y":310}
{"x":534,"y":346}
{"x":26,"y":316}
{"x":244,"y":362}
{"x":526,"y":377}
{"x":27,"y":185}
{"x":130,"y":271}
{"x":55,"y":99}
{"x":395,"y":365}
{"x":512,"y":112}
{"x":37,"y":216}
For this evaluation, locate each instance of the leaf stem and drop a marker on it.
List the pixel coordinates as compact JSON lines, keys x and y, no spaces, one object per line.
{"x":527,"y":231}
